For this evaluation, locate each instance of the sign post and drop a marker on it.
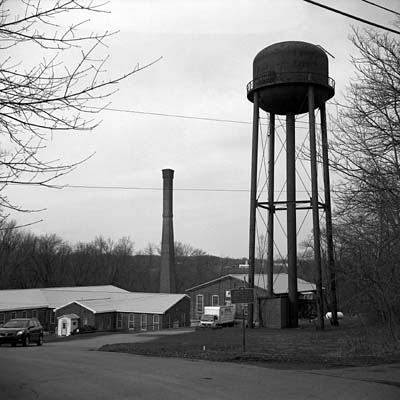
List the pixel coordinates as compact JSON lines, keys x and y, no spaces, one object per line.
{"x":243,"y":295}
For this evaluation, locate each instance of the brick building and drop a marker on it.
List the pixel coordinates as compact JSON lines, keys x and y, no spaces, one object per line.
{"x":131,"y":312}
{"x":103,"y":307}
{"x":217,"y":292}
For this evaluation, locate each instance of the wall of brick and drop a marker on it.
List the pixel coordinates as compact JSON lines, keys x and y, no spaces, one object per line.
{"x":42,"y":314}
{"x":178,"y":315}
{"x":274,"y":312}
{"x":220,"y":288}
{"x":105,"y":321}
{"x":87,"y":317}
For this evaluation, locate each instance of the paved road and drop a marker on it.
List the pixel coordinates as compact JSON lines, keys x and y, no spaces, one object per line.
{"x":73,"y":370}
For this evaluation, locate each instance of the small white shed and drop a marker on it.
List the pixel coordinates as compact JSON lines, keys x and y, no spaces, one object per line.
{"x":67,"y":324}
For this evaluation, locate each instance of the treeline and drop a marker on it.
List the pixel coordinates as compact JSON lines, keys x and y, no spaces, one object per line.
{"x":31,"y":261}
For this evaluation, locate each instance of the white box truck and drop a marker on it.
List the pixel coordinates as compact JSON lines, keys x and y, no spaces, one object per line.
{"x":218,"y":316}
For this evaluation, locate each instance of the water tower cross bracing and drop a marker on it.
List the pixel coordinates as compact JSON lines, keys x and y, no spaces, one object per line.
{"x":290,"y":78}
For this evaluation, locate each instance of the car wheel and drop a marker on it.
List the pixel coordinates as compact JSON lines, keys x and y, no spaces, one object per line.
{"x":40,"y":341}
{"x":14,"y":344}
{"x":25,"y":341}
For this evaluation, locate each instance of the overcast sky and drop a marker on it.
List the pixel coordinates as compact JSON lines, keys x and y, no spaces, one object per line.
{"x":207,"y":49}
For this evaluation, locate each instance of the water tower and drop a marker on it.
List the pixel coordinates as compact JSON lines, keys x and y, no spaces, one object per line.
{"x":290,"y":78}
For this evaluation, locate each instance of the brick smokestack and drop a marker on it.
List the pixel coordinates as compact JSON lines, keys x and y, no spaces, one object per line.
{"x":167,"y":275}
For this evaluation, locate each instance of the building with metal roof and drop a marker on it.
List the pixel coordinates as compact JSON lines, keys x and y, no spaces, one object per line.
{"x":260,"y":280}
{"x":23,"y":299}
{"x":100,"y":307}
{"x":218,"y":291}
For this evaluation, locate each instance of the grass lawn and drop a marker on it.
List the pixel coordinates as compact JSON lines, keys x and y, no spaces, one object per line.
{"x":351,"y":344}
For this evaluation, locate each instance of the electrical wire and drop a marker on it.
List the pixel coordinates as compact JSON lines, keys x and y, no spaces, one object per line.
{"x":192,"y":117}
{"x":352,"y":16}
{"x":149,"y":188}
{"x":157,"y":114}
{"x":379,"y":6}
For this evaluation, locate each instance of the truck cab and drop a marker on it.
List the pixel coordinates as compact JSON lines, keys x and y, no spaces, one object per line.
{"x":218,"y":316}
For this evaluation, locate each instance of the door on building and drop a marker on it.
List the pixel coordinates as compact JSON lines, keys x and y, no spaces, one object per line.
{"x":64,"y":330}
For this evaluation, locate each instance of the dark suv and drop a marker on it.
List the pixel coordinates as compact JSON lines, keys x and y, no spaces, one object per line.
{"x":22,"y":330}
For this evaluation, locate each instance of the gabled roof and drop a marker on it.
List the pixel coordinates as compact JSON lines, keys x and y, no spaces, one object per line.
{"x":14,"y":299}
{"x":261,"y":281}
{"x":142,"y":303}
{"x":69,"y":316}
{"x":280,"y":282}
{"x":152,"y":303}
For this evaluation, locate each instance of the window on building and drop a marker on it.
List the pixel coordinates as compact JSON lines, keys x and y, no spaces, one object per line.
{"x":2,"y":318}
{"x":119,"y":321}
{"x":34,"y":313}
{"x":131,"y":321}
{"x":53,"y":317}
{"x":24,"y":314}
{"x":101,"y":322}
{"x":215,"y":300}
{"x":108,"y":322}
{"x":13,"y":315}
{"x":183,"y":321}
{"x":143,"y":322}
{"x":156,"y":322}
{"x":199,"y":303}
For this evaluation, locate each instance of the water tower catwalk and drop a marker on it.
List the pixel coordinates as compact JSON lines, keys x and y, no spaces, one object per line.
{"x":290,"y":78}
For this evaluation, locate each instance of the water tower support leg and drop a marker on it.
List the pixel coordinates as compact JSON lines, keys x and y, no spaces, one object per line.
{"x":291,"y":219}
{"x":328,"y":217}
{"x":315,"y":207}
{"x":271,"y":210}
{"x":253,"y":204}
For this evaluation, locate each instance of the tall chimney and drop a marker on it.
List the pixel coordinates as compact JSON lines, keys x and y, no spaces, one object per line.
{"x":167,"y":275}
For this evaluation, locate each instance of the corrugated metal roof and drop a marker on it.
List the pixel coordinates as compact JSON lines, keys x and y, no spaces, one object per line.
{"x":280,"y":282}
{"x":152,"y":303}
{"x":14,"y":299}
{"x":260,"y":281}
{"x":142,"y":303}
{"x":99,"y":299}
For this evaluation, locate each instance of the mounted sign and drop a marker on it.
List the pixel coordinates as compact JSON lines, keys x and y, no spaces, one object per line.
{"x":242,"y":295}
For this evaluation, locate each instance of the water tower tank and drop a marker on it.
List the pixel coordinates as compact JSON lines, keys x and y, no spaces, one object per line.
{"x":282,"y":74}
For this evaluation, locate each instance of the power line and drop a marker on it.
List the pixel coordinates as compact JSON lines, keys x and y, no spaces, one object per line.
{"x":177,"y":116}
{"x":379,"y":6}
{"x":144,"y":188}
{"x":150,"y":188}
{"x":192,"y":117}
{"x":352,"y":16}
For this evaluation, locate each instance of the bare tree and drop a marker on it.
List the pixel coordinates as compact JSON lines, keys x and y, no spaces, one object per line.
{"x":151,"y":249}
{"x":60,"y":86}
{"x":365,"y":151}
{"x":187,"y":250}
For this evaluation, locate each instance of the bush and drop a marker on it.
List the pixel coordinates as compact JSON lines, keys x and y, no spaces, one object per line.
{"x":84,"y":329}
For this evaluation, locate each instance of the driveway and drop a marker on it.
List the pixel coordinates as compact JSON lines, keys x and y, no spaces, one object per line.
{"x":67,"y":370}
{"x":95,"y":342}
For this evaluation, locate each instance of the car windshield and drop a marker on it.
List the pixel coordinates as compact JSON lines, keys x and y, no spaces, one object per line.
{"x":208,"y":317}
{"x":16,"y":323}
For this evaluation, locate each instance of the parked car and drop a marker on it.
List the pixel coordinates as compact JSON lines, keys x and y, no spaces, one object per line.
{"x":22,"y":330}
